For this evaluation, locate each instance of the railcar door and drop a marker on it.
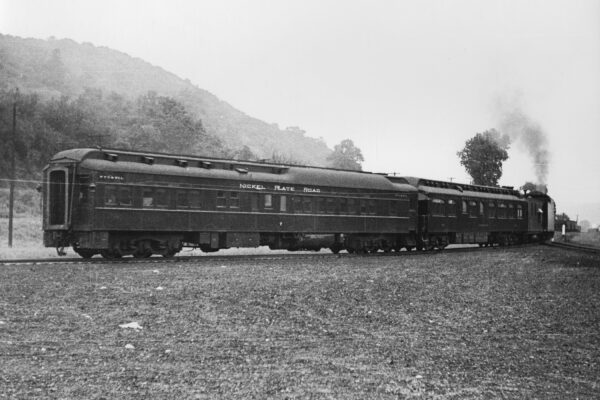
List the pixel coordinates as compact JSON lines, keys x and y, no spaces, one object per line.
{"x":58,"y":196}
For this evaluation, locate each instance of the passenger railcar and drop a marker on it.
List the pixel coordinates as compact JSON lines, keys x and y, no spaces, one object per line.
{"x":453,"y":213}
{"x":116,"y":203}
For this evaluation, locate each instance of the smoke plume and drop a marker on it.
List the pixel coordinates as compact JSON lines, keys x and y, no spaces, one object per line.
{"x":530,"y":135}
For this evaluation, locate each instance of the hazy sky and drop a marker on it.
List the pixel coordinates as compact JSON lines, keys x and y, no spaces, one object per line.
{"x":408,"y":81}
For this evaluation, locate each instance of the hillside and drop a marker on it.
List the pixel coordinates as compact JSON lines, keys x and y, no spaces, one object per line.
{"x":54,"y":68}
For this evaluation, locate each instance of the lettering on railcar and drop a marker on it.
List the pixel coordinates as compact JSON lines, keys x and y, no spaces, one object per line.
{"x":278,"y":188}
{"x":311,"y":190}
{"x":284,"y":188}
{"x":112,"y":178}
{"x":252,"y":186}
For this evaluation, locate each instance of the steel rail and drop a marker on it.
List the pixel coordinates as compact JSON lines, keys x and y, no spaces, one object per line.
{"x":575,"y":247}
{"x":245,"y":257}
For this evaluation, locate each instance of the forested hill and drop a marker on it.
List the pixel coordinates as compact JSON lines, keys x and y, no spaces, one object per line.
{"x":115,"y":99}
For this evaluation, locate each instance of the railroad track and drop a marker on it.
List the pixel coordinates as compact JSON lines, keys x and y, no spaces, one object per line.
{"x":575,"y":247}
{"x":244,"y":257}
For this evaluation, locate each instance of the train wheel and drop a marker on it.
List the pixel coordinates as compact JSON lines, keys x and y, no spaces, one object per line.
{"x":145,"y":253}
{"x":335,"y":249}
{"x":110,"y":254}
{"x":143,"y":249}
{"x":350,"y":250}
{"x":169,"y":253}
{"x":85,"y":253}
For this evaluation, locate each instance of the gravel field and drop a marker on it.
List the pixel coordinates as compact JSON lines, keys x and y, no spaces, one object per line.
{"x":504,"y":323}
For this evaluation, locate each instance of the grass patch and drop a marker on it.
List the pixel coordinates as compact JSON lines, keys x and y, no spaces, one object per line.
{"x":516,"y":323}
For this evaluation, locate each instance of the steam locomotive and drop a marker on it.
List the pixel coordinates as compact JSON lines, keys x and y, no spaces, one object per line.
{"x":117,"y":203}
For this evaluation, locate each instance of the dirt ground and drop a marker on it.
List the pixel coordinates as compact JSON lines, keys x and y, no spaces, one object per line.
{"x":505,"y":323}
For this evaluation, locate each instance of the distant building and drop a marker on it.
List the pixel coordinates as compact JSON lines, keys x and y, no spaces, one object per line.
{"x":570,"y":225}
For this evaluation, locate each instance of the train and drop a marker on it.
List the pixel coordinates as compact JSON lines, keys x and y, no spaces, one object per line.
{"x":131,"y":203}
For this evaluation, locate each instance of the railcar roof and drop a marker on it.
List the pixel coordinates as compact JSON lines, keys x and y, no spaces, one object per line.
{"x":461,"y":189}
{"x":467,"y":193}
{"x":243,"y":171}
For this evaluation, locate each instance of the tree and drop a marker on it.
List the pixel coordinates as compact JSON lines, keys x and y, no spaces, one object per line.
{"x":483,"y":156}
{"x":244,"y":153}
{"x":529,"y":187}
{"x":532,"y":187}
{"x":346,"y":156}
{"x":54,"y":72}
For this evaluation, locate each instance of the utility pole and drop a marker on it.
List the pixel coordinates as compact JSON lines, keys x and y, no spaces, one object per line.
{"x":11,"y":199}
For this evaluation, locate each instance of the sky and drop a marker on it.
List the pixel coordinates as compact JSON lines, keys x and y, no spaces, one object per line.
{"x":408,"y":81}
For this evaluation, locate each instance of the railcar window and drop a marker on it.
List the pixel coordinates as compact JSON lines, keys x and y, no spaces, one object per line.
{"x":481,"y":209}
{"x":363,"y":206}
{"x":110,"y":195}
{"x":383,"y":207}
{"x":323,"y":205}
{"x":413,"y":203}
{"x":83,"y":182}
{"x":330,"y":205}
{"x":307,"y":205}
{"x":472,"y":209}
{"x":234,"y":200}
{"x":148,"y":198}
{"x":253,"y":201}
{"x":125,"y":196}
{"x":511,"y":211}
{"x":393,"y":207}
{"x":343,"y":205}
{"x":465,"y":209}
{"x":438,"y":207}
{"x":221,"y":199}
{"x":181,"y":199}
{"x":501,"y":211}
{"x":520,"y":212}
{"x":162,"y":198}
{"x":84,"y":194}
{"x":195,"y":199}
{"x":297,"y":204}
{"x":491,"y":210}
{"x":320,"y":206}
{"x":268,"y":200}
{"x":283,"y":203}
{"x":451,"y":208}
{"x":372,"y":207}
{"x":351,"y":206}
